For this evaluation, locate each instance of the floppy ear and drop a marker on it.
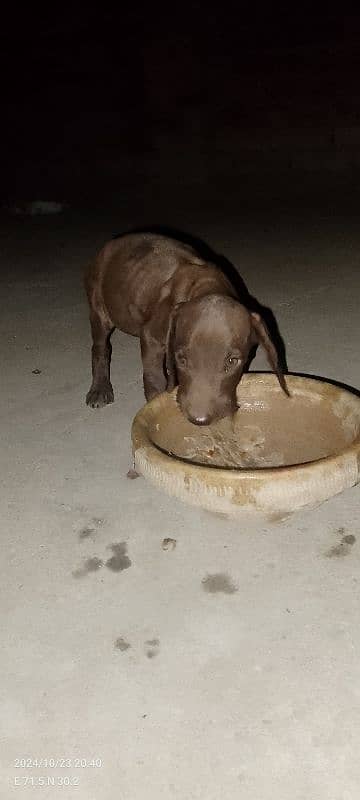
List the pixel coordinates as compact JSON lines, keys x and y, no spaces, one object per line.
{"x":263,"y":338}
{"x":170,"y":366}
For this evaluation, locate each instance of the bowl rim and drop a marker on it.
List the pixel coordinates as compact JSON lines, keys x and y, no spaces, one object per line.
{"x":140,"y":435}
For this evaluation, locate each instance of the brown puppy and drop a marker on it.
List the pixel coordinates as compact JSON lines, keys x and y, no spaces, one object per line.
{"x":193,"y":330}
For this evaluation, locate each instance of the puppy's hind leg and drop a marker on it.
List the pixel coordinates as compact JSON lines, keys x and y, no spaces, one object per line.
{"x":101,"y":391}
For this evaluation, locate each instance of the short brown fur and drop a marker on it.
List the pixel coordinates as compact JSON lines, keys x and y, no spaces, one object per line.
{"x":194,"y":331}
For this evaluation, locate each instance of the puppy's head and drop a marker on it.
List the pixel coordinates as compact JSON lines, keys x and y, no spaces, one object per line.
{"x":208,"y":346}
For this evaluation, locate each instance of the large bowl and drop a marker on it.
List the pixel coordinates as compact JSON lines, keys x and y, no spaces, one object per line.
{"x":275,"y":456}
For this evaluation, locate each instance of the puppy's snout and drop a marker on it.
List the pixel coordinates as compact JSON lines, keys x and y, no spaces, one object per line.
{"x":199,"y":420}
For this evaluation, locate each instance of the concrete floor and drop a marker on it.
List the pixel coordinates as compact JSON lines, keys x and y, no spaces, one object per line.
{"x":115,"y":650}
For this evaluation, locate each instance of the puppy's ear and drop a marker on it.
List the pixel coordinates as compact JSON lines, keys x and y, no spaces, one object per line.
{"x":261,"y":336}
{"x":170,"y":366}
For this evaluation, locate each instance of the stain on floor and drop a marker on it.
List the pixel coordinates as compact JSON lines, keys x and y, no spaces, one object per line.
{"x":121,"y":644}
{"x":90,"y":529}
{"x":152,"y":647}
{"x":119,"y":559}
{"x":90,"y":565}
{"x":343,"y":548}
{"x":219,"y":582}
{"x":86,"y":532}
{"x":168,"y":544}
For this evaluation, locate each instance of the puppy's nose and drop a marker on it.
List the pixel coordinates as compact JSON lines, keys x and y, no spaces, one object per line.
{"x":199,"y":420}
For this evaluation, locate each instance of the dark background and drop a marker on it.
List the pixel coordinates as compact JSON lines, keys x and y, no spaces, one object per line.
{"x":96,"y":101}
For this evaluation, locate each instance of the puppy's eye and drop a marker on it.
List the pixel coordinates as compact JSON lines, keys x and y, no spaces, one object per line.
{"x":231,"y":362}
{"x":181,"y":360}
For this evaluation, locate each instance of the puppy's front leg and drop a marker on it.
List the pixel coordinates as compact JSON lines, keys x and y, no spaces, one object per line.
{"x":101,"y":391}
{"x":152,"y":354}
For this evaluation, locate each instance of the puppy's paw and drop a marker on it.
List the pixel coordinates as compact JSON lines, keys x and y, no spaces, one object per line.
{"x":99,"y":396}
